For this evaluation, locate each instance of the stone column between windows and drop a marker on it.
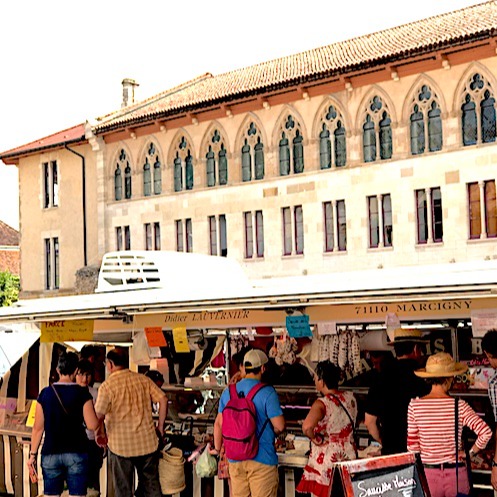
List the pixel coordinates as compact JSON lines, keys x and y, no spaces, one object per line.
{"x":334,"y":210}
{"x":429,"y":215}
{"x":483,"y":217}
{"x":381,"y":241}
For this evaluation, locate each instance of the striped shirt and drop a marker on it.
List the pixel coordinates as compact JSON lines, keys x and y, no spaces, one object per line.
{"x":431,"y":427}
{"x":492,"y":393}
{"x":126,"y":400}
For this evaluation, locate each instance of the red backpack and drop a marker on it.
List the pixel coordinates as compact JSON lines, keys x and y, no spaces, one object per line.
{"x":240,"y":438}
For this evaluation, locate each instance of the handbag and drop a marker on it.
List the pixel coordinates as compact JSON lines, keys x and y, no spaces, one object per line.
{"x":60,"y":401}
{"x":456,"y":415}
{"x":354,"y":434}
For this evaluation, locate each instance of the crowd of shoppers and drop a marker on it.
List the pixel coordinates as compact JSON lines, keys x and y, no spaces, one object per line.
{"x":408,"y":409}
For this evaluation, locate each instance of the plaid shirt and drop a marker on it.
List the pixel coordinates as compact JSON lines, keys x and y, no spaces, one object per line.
{"x":492,"y":393}
{"x":126,"y":400}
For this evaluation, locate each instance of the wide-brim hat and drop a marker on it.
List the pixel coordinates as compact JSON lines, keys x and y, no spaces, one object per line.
{"x":401,"y":335}
{"x":441,"y":365}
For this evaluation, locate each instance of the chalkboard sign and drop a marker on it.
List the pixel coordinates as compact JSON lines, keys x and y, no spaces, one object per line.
{"x":399,"y":475}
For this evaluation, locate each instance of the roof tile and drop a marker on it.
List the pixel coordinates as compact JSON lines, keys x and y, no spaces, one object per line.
{"x":340,"y":57}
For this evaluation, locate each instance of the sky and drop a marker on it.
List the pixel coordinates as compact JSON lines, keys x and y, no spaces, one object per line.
{"x":62,"y":62}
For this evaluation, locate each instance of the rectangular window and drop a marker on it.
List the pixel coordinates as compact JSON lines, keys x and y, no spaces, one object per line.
{"x":52,"y":263}
{"x":380,"y":217}
{"x":374,"y":222}
{"x":293,"y":235}
{"x":422,"y":216}
{"x":341,"y":225}
{"x":259,"y":233}
{"x":184,"y":237}
{"x":223,"y":236}
{"x":490,"y":209}
{"x":287,"y":231}
{"x":50,"y":184}
{"x":249,"y":235}
{"x":189,"y":235}
{"x":254,"y":234}
{"x":299,"y":229}
{"x":429,"y":210}
{"x":213,"y":234}
{"x":218,"y":235}
{"x":148,"y":236}
{"x":156,"y":236}
{"x":474,"y":210}
{"x":335,"y":225}
{"x":387,"y":220}
{"x":127,"y":238}
{"x":119,"y":238}
{"x":179,"y":236}
{"x":328,"y":227}
{"x":437,"y":214}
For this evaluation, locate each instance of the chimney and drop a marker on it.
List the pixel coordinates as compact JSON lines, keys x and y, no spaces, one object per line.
{"x":129,"y":86}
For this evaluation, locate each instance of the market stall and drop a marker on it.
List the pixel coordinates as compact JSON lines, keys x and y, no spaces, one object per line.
{"x":344,"y":317}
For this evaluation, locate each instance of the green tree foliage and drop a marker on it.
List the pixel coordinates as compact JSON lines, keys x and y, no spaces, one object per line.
{"x":9,"y":288}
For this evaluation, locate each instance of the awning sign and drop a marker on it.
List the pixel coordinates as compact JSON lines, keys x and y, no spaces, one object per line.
{"x":483,"y":320}
{"x":67,"y":331}
{"x":180,"y":339}
{"x":298,"y":326}
{"x":155,"y":337}
{"x":30,"y":422}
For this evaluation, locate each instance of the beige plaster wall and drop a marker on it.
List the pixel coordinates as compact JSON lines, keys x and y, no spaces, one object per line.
{"x":451,"y":169}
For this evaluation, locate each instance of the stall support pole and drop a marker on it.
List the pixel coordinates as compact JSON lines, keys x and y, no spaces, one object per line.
{"x":289,"y":482}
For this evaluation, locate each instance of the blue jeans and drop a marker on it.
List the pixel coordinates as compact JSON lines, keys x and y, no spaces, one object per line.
{"x":69,"y":467}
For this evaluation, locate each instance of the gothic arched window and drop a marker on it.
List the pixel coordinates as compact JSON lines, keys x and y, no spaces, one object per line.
{"x":291,"y":147}
{"x":152,"y":156}
{"x":183,"y":166}
{"x":377,"y":131}
{"x":122,"y":165}
{"x":216,"y":160}
{"x":332,"y":151}
{"x":252,"y":154}
{"x":426,"y":122}
{"x":478,"y":120}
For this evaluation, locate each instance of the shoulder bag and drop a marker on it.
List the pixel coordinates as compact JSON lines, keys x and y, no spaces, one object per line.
{"x":456,"y":415}
{"x":354,"y":435}
{"x":60,"y":400}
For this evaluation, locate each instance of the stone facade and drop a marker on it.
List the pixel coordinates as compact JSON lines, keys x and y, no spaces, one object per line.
{"x":446,"y":76}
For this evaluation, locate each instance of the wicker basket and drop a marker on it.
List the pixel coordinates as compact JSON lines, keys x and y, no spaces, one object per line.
{"x":172,"y":471}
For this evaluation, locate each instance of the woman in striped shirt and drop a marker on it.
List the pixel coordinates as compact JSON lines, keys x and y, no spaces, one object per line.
{"x":431,"y":428}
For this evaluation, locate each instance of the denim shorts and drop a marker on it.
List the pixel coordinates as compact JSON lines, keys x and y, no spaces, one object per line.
{"x":69,"y":467}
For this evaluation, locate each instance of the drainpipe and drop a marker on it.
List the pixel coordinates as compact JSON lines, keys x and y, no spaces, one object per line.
{"x":83,"y":166}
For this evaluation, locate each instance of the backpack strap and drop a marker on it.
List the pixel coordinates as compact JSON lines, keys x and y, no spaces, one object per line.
{"x":255,"y":390}
{"x":233,"y":391}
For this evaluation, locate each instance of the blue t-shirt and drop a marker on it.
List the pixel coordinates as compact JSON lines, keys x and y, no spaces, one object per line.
{"x":64,"y":432}
{"x":267,"y":405}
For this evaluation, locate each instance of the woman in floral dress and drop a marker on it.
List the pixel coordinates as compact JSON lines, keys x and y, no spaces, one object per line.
{"x":330,"y":427}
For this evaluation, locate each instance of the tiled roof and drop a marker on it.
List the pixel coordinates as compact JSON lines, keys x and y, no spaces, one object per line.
{"x":9,"y":261}
{"x":8,"y":235}
{"x":437,"y":32}
{"x":71,"y":135}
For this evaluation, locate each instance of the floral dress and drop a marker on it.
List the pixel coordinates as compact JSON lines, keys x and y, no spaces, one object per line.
{"x":338,"y":444}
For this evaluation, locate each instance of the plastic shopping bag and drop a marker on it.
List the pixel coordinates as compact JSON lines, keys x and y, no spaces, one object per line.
{"x":206,"y":466}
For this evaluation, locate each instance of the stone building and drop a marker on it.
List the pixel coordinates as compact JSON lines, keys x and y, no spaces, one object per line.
{"x":375,"y":152}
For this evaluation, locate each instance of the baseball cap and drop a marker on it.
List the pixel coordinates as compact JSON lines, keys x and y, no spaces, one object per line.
{"x":254,"y":358}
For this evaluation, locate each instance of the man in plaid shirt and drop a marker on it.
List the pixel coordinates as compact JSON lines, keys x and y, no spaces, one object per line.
{"x":489,"y":346}
{"x":125,"y":401}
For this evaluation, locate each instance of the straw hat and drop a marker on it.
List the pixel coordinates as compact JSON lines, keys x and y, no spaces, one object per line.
{"x":441,"y":365}
{"x":407,"y":335}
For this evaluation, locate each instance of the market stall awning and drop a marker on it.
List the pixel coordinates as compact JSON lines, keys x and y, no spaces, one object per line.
{"x":475,"y":281}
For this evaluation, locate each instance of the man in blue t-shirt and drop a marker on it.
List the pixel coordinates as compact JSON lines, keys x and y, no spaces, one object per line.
{"x":257,"y":477}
